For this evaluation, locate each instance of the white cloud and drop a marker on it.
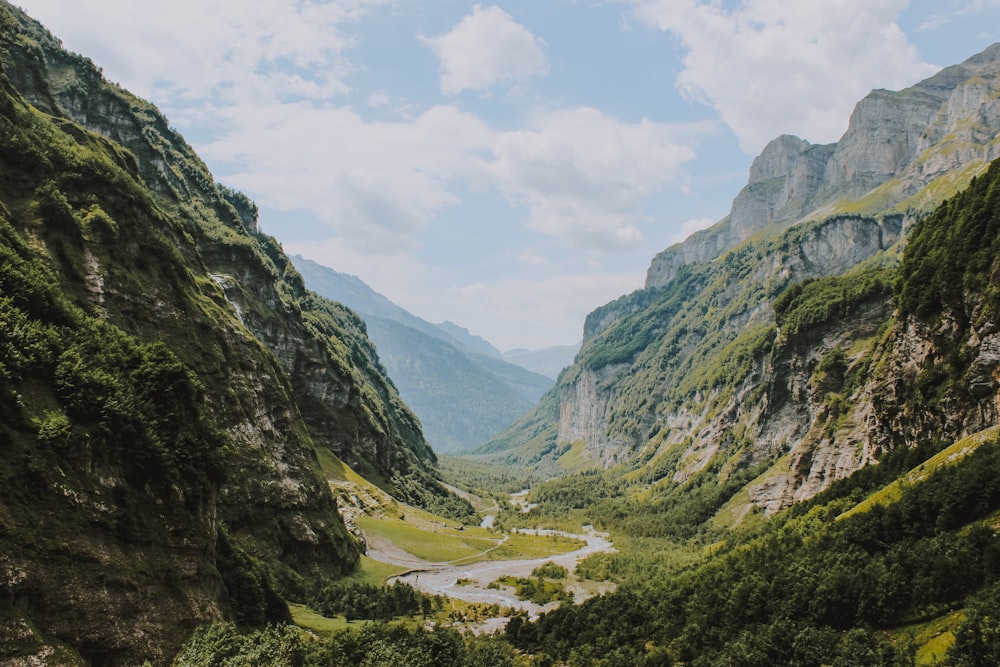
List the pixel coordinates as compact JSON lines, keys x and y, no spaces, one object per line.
{"x":532,"y":312}
{"x":583,"y":175}
{"x":219,"y":51}
{"x":689,"y":227}
{"x":786,"y":66}
{"x":487,"y":47}
{"x":555,"y":306}
{"x":376,"y":183}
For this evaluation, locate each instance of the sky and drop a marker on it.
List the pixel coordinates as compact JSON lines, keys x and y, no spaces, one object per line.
{"x":508,"y":165}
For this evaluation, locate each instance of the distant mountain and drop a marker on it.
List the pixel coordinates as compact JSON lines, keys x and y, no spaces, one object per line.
{"x":457,"y":384}
{"x":549,"y":361}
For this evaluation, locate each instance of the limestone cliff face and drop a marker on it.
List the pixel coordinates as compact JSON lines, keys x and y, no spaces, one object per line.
{"x":617,"y":415}
{"x":715,"y":366}
{"x":905,"y":149}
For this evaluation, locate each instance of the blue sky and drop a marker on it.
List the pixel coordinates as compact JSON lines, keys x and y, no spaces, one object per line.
{"x":506,"y":165}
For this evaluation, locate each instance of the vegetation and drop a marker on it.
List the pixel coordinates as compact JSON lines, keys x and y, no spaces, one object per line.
{"x":374,"y":645}
{"x":814,"y":302}
{"x":537,"y":590}
{"x":364,"y":601}
{"x":806,"y":582}
{"x":951,"y":256}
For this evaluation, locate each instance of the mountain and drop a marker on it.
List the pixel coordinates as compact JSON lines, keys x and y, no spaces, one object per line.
{"x":895,"y":564}
{"x":168,"y":387}
{"x":456,"y":383}
{"x":466,"y":339}
{"x":772,"y":341}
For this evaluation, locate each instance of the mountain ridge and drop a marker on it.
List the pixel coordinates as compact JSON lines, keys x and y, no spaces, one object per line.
{"x":689,"y":373}
{"x":167,"y":381}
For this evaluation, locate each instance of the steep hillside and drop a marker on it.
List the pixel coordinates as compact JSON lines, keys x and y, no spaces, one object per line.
{"x":166,"y":379}
{"x":891,"y":564}
{"x":456,"y":383}
{"x":773,"y":339}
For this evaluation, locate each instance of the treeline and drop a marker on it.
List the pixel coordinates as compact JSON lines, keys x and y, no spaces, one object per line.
{"x":366,"y":601}
{"x":807,"y":581}
{"x":375,"y":645}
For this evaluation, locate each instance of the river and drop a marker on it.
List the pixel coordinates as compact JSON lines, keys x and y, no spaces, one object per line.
{"x":443,"y":578}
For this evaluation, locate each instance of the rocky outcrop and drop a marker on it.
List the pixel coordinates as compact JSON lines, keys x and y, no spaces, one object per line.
{"x":696,"y":370}
{"x":902,"y":149}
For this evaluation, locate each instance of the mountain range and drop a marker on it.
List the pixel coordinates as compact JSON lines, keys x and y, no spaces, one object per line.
{"x":171,"y":393}
{"x":460,"y":386}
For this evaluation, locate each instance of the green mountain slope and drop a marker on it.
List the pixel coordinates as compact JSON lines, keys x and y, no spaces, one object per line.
{"x":165,"y":380}
{"x":715,"y":366}
{"x":875,"y":569}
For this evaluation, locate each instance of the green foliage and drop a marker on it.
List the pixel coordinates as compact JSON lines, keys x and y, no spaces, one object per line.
{"x":809,"y":589}
{"x":814,"y":302}
{"x":374,"y":645}
{"x":977,"y":640}
{"x":366,"y":601}
{"x":537,"y":590}
{"x":951,"y":255}
{"x":550,"y":570}
{"x":252,"y":592}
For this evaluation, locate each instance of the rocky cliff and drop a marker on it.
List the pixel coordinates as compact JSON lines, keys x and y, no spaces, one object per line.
{"x":902,"y":150}
{"x":165,"y":382}
{"x":773,"y":341}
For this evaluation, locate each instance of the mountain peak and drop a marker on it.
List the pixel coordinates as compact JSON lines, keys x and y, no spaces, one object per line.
{"x":903,"y":150}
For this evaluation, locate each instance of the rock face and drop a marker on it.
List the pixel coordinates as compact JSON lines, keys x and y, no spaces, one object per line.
{"x":165,"y":383}
{"x":905,"y":148}
{"x":773,"y":338}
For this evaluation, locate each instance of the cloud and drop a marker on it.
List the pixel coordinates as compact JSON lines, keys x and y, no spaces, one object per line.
{"x":555,"y":305}
{"x":785,"y":66}
{"x":953,"y":11}
{"x":583,"y":175}
{"x":375,"y":183}
{"x":217,"y":52}
{"x":689,"y":227}
{"x":533,"y":312}
{"x":486,"y":48}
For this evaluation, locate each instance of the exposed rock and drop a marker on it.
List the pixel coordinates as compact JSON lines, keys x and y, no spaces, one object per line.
{"x":897,"y":143}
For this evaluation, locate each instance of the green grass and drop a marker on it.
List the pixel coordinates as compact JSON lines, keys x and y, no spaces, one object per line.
{"x":316,"y":623}
{"x":440,"y":545}
{"x":519,"y":546}
{"x":894,"y":491}
{"x":371,"y":571}
{"x":575,"y":458}
{"x":932,"y":639}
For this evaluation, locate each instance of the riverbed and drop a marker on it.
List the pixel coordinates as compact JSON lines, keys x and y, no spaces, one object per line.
{"x":469,"y":581}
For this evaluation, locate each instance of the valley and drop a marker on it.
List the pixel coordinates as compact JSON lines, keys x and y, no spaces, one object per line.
{"x":783,"y":449}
